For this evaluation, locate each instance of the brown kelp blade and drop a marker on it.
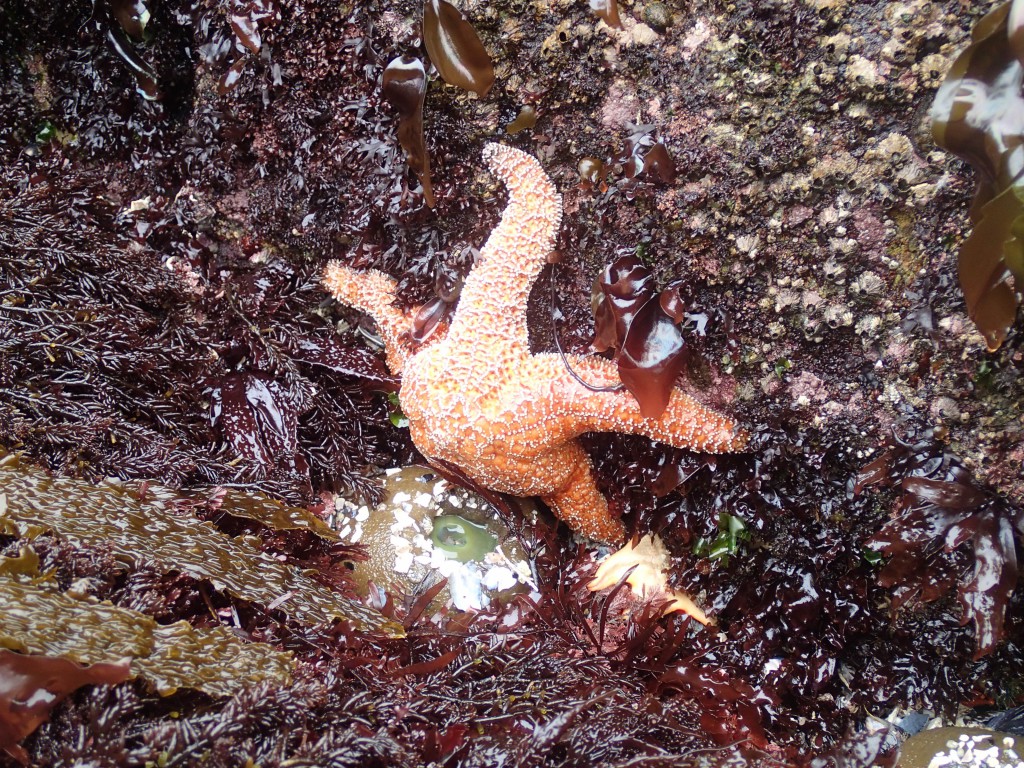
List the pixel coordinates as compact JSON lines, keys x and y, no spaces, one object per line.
{"x":141,"y":530}
{"x":978,"y":114}
{"x":455,"y":49}
{"x":405,"y":86}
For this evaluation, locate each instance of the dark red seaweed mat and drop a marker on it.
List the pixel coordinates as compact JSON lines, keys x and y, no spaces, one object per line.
{"x":160,"y":318}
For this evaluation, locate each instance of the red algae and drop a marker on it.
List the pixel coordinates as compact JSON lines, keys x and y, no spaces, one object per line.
{"x":159,"y":249}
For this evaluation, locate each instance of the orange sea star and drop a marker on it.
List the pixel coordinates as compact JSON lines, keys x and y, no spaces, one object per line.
{"x":477,"y":398}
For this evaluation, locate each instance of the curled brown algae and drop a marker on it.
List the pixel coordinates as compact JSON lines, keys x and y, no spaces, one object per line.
{"x":455,"y":49}
{"x":405,"y":86}
{"x":978,"y":114}
{"x":630,"y":318}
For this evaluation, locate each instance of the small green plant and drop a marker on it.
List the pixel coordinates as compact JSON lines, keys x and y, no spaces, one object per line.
{"x":732,"y":531}
{"x":871,"y":556}
{"x":986,"y":369}
{"x":398,"y":418}
{"x":46,"y":132}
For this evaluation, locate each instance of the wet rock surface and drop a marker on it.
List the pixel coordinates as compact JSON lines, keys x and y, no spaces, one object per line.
{"x":168,"y":198}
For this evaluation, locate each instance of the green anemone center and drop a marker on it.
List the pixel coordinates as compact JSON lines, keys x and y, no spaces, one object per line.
{"x":462,"y":539}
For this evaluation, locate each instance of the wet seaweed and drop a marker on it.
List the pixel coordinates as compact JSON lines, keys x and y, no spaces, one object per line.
{"x":148,"y":351}
{"x":607,"y":11}
{"x":942,"y":515}
{"x":404,"y":85}
{"x":168,"y":657}
{"x":645,"y":329}
{"x":796,"y":594}
{"x":191,"y":230}
{"x":978,"y":115}
{"x":455,"y":48}
{"x":135,"y":527}
{"x":32,"y":685}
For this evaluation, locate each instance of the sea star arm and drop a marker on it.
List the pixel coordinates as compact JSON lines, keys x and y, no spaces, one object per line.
{"x":373,"y":292}
{"x":685,"y":423}
{"x":580,"y":504}
{"x":480,"y":401}
{"x":492,"y":307}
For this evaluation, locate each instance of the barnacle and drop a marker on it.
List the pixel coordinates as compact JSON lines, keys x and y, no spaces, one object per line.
{"x":961,"y":745}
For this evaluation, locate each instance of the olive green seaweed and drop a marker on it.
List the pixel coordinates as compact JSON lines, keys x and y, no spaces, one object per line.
{"x":143,"y":531}
{"x":212,"y":660}
{"x":274,"y":514}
